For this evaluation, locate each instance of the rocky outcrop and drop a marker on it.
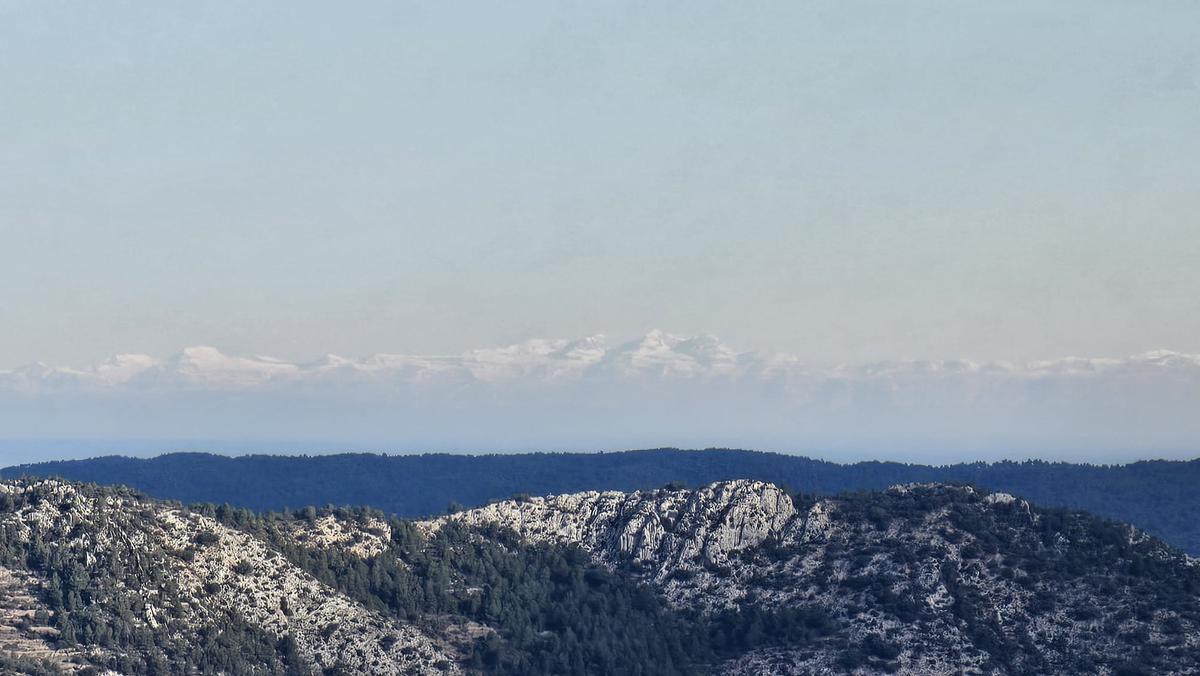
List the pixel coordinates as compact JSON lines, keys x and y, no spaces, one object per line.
{"x":364,"y":540}
{"x":666,"y":530}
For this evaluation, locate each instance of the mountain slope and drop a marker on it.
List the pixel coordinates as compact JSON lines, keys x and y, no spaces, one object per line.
{"x":1157,"y":496}
{"x":926,"y":579}
{"x":164,"y":575}
{"x":736,"y":577}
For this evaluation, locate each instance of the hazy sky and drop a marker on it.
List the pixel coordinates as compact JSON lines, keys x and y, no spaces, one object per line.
{"x":842,"y":180}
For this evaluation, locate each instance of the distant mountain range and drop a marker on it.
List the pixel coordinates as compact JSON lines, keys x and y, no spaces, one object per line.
{"x":656,"y":355}
{"x":1158,"y":496}
{"x":658,"y":390}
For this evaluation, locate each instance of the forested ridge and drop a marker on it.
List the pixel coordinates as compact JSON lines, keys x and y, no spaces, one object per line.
{"x":919,"y":579}
{"x":540,"y":609}
{"x":1157,"y":496}
{"x":552,"y":608}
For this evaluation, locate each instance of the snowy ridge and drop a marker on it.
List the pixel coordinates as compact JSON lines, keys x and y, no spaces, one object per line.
{"x":657,"y":356}
{"x":660,"y":389}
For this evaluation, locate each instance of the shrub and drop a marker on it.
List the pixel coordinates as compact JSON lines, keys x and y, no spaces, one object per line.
{"x":206,"y":538}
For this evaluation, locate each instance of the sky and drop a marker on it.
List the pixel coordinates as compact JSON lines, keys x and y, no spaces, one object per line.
{"x":844,"y":181}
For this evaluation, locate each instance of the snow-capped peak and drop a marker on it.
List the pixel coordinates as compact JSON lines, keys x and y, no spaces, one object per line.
{"x":657,"y":355}
{"x":124,"y":367}
{"x":205,"y":364}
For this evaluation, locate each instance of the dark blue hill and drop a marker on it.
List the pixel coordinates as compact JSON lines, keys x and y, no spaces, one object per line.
{"x":1158,"y":496}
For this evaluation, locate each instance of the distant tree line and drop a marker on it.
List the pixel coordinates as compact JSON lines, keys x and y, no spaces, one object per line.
{"x":1157,"y":496}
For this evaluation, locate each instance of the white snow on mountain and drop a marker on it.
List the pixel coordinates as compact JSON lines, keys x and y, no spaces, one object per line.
{"x":657,"y":356}
{"x":657,"y":390}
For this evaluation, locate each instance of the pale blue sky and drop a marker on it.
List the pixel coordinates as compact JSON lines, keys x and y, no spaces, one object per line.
{"x":842,"y":180}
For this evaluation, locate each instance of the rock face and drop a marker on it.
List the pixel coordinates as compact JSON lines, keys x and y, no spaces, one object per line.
{"x":183,"y":569}
{"x":328,"y":531}
{"x":666,"y":530}
{"x":921,"y":579}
